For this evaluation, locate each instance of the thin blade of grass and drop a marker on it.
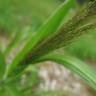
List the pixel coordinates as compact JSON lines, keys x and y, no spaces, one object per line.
{"x":45,"y":31}
{"x":2,"y":66}
{"x":75,"y":65}
{"x":84,"y":22}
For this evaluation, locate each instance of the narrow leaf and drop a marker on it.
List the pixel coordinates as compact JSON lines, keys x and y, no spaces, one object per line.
{"x":75,"y":65}
{"x":45,"y":31}
{"x":2,"y":66}
{"x":82,"y":23}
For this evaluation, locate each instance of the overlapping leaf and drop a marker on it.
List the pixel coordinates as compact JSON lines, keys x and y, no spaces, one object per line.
{"x":49,"y":38}
{"x":44,"y":32}
{"x":82,"y":23}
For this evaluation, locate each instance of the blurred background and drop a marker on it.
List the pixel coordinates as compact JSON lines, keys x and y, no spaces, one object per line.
{"x":20,"y":18}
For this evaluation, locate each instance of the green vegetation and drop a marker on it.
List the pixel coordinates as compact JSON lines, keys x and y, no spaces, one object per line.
{"x":38,"y":46}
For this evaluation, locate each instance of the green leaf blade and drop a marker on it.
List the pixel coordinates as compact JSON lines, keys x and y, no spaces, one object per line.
{"x":84,"y":22}
{"x":76,"y":66}
{"x":2,"y":66}
{"x":44,"y":32}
